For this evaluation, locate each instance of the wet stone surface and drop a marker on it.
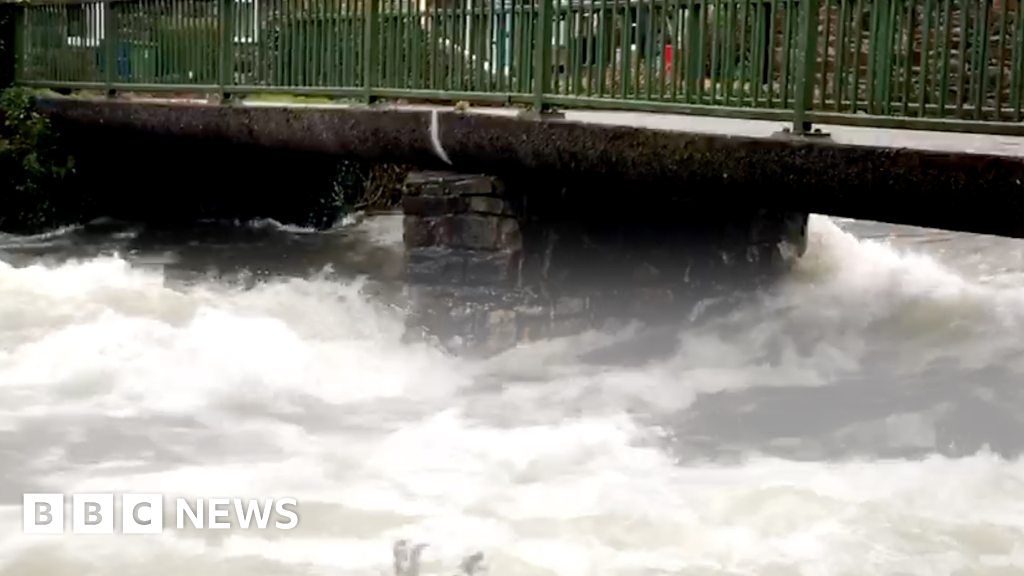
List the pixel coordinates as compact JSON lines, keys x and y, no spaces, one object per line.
{"x":490,"y":265}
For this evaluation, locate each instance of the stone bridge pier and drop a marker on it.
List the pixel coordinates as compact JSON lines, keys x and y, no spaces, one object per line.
{"x":493,"y":262}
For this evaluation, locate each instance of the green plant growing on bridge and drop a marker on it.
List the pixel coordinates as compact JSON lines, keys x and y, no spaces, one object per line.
{"x":35,"y":173}
{"x":368,"y":187}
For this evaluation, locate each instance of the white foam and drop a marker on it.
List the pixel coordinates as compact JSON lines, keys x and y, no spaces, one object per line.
{"x":116,"y":381}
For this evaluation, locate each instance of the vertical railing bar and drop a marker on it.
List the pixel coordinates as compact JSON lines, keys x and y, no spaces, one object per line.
{"x":159,"y":38}
{"x":224,"y":13}
{"x":678,"y":43}
{"x":588,"y":55}
{"x":527,"y":49}
{"x":346,"y":30}
{"x":616,"y":54}
{"x":369,"y":48}
{"x":601,"y":28}
{"x":558,"y":86}
{"x":492,"y":47}
{"x":773,"y":11}
{"x":908,"y":58}
{"x":382,"y":36}
{"x":486,"y":56}
{"x":689,"y":45}
{"x":639,"y":49}
{"x":649,"y":50}
{"x":743,"y":7}
{"x":576,"y":33}
{"x":576,"y":42}
{"x":316,"y":45}
{"x":496,"y":28}
{"x":1018,"y":52}
{"x":338,"y":60}
{"x":542,"y":53}
{"x":857,"y":18}
{"x":757,"y":41}
{"x":476,"y":58}
{"x":700,"y":19}
{"x":824,"y":59}
{"x":446,"y":64}
{"x":922,"y":99}
{"x":435,"y":39}
{"x":108,"y":46}
{"x":310,"y":31}
{"x":947,"y":13}
{"x":874,"y":47}
{"x":807,"y":58}
{"x":757,"y":52}
{"x":741,"y":50}
{"x":476,"y":55}
{"x":730,"y":41}
{"x":963,"y":99}
{"x":563,"y":56}
{"x":999,"y":61}
{"x":459,"y":44}
{"x":275,"y":50}
{"x":200,"y":57}
{"x":572,"y":40}
{"x":627,"y":48}
{"x":787,"y":54}
{"x":570,"y":47}
{"x":982,"y":58}
{"x":592,"y":47}
{"x":513,"y":47}
{"x":841,"y":45}
{"x":962,"y":75}
{"x":288,"y":28}
{"x":406,"y":46}
{"x":394,"y":31}
{"x":890,"y":55}
{"x":715,"y":59}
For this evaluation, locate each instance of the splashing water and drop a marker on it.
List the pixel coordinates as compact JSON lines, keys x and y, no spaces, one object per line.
{"x":860,"y":417}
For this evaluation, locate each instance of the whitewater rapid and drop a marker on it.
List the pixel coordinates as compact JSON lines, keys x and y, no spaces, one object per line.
{"x":863,"y":416}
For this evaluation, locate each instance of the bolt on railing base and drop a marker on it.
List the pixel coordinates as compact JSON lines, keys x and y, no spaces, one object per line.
{"x":545,"y":113}
{"x":806,"y":133}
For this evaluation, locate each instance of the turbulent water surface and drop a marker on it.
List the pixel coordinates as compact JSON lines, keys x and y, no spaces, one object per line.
{"x":862,"y":416}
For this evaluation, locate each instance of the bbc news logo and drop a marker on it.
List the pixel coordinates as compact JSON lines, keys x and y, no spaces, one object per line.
{"x":94,"y":513}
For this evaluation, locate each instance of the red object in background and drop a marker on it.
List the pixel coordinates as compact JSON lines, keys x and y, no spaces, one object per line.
{"x":668,"y":58}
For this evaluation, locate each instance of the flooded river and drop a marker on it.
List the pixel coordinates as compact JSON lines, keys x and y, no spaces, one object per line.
{"x":865,"y":415}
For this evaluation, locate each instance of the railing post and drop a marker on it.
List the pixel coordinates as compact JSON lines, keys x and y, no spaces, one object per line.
{"x":542,"y":55}
{"x":370,"y":55}
{"x":807,"y":59}
{"x":109,"y":46}
{"x":694,"y":65}
{"x":225,"y":63}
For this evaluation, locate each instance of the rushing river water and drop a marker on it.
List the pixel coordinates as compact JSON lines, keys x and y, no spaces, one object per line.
{"x":863,"y":416}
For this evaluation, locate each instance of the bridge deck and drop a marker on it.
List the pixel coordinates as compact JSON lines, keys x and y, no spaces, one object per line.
{"x":942,"y":180}
{"x":924,"y":140}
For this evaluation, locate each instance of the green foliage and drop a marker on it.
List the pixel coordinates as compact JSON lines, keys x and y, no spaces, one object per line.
{"x":369,"y":187}
{"x":33,"y":171}
{"x":6,"y":44}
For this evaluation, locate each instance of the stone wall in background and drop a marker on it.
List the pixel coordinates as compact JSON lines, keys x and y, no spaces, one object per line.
{"x":491,"y":263}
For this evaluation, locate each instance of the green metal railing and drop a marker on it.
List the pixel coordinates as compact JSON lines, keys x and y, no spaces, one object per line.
{"x":930,"y":64}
